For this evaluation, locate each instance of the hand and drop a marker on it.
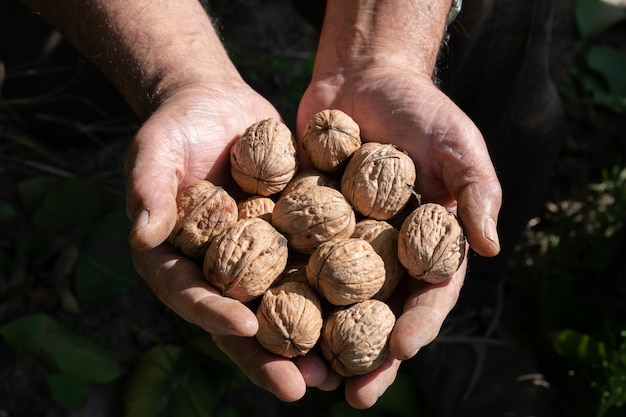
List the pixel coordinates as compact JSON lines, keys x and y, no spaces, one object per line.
{"x":188,"y":138}
{"x":405,"y":108}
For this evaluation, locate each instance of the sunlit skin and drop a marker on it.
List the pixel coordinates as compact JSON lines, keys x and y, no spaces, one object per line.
{"x":169,"y":64}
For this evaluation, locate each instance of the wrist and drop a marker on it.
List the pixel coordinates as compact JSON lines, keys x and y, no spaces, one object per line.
{"x":362,"y":34}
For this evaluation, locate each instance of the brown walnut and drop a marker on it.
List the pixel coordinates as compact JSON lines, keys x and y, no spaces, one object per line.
{"x":355,"y":339}
{"x":431,"y":245}
{"x":378,"y":180}
{"x":244,"y":261}
{"x":263,"y":160}
{"x":256,"y":206}
{"x":290,"y":319}
{"x":308,"y":178}
{"x":384,"y":239}
{"x":330,"y":138}
{"x":309,"y":216}
{"x":345,"y":271}
{"x":204,"y":211}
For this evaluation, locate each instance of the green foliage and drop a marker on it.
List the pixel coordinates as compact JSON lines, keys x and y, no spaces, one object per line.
{"x":71,"y":359}
{"x":600,"y":71}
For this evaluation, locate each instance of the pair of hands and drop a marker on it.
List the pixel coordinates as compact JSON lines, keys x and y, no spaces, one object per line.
{"x":188,"y":137}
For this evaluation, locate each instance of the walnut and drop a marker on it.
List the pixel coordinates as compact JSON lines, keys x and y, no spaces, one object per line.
{"x":264,"y":159}
{"x":384,"y":239}
{"x":256,"y":206}
{"x":204,"y":211}
{"x":290,"y":319}
{"x":309,"y":216}
{"x":355,"y":339}
{"x":431,"y":245}
{"x":308,"y":178}
{"x":330,"y":138}
{"x":244,"y":261}
{"x":378,"y":180}
{"x":346,"y":271}
{"x":294,"y":271}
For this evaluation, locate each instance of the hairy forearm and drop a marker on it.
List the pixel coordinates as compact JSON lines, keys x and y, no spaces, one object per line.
{"x":146,"y":48}
{"x":359,"y":34}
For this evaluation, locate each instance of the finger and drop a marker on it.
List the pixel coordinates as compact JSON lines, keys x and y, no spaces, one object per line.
{"x":179,"y":283}
{"x":364,"y":390}
{"x":468,"y":173}
{"x":151,"y":189}
{"x":316,"y":373}
{"x":275,"y":374}
{"x":424,"y":312}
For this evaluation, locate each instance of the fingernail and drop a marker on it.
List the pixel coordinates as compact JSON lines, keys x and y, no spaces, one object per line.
{"x":490,"y":232}
{"x":139,"y":221}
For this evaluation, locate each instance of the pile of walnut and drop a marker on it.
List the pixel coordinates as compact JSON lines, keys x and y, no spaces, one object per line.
{"x":316,"y":248}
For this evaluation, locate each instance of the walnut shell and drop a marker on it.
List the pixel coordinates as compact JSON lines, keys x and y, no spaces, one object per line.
{"x":264,"y":159}
{"x":384,"y":239}
{"x":256,"y":206}
{"x":309,"y":216}
{"x":431,"y":245}
{"x":204,"y":211}
{"x":290,"y":319}
{"x":244,"y":261}
{"x":308,"y":178}
{"x":355,"y":339}
{"x":345,"y":271}
{"x":330,"y":138}
{"x":378,"y":180}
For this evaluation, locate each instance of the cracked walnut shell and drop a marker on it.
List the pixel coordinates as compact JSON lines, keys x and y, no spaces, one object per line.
{"x":310,"y":216}
{"x":378,"y":180}
{"x":246,"y":259}
{"x":263,"y":160}
{"x":290,"y":319}
{"x":431,"y":245}
{"x":204,"y":211}
{"x":346,"y":271}
{"x":355,"y":339}
{"x":330,"y":138}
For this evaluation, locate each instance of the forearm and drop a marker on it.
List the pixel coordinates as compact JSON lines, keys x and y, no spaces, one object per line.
{"x":359,"y":34}
{"x":146,"y":48}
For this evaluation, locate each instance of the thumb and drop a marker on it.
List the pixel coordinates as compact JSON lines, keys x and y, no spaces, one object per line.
{"x":151,"y":191}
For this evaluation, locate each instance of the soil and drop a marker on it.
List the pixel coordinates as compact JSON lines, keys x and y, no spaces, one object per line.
{"x":88,"y":123}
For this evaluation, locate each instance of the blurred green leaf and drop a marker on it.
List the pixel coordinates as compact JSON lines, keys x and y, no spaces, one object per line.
{"x":7,"y":211}
{"x":400,"y":399}
{"x":609,"y":63}
{"x":69,"y":207}
{"x":149,"y":381}
{"x":580,"y":346}
{"x":104,"y":266}
{"x":63,"y":350}
{"x":595,"y":16}
{"x":167,"y":381}
{"x":194,"y":397}
{"x":66,"y":391}
{"x":32,"y":192}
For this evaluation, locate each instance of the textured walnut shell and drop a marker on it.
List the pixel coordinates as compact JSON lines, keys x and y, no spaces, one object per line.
{"x":378,"y":180}
{"x":309,"y":216}
{"x":355,"y":339}
{"x":244,"y":261}
{"x":204,"y":211}
{"x":256,"y":206}
{"x":330,"y":138}
{"x":294,"y":271}
{"x":346,"y":271}
{"x":384,"y":239}
{"x":309,"y":178}
{"x":431,"y":245}
{"x":264,"y":159}
{"x":290,"y":319}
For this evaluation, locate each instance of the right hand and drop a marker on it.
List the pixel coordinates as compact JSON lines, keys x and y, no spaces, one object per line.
{"x":187,"y":138}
